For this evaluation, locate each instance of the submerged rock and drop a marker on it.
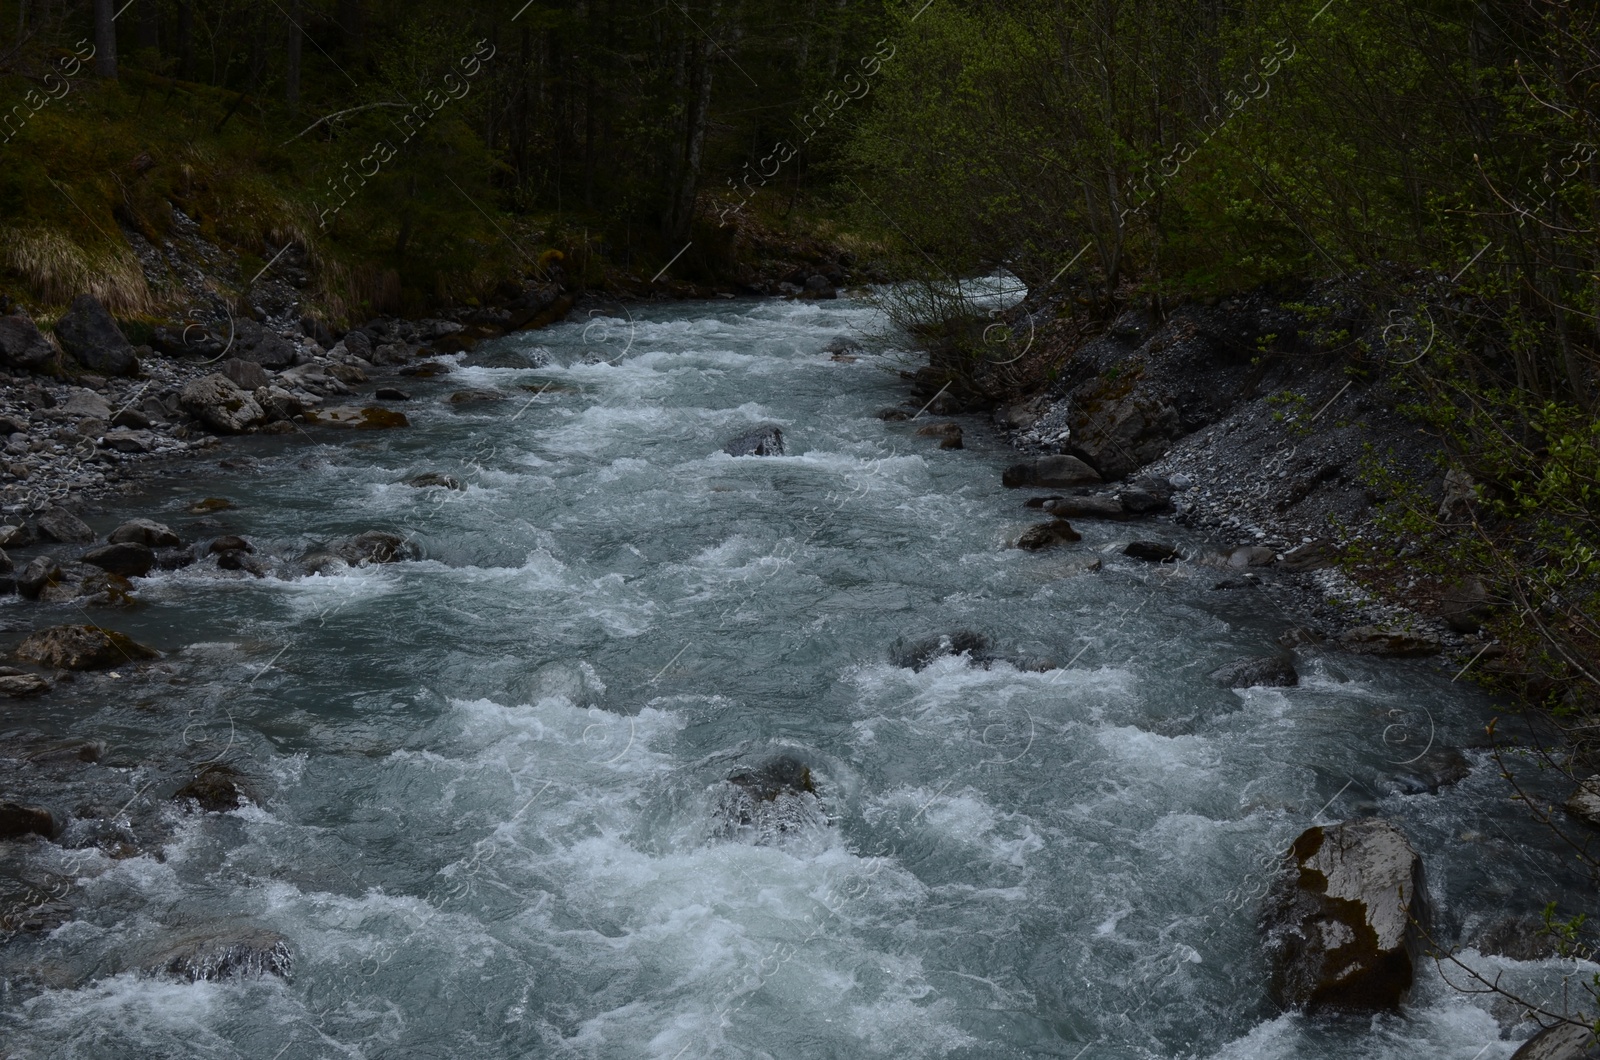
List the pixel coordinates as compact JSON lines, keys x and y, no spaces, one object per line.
{"x":215,"y":789}
{"x":776,"y":797}
{"x":358,"y":419}
{"x":949,"y":434}
{"x":1093,"y":506}
{"x":250,"y":953}
{"x":83,"y":648}
{"x":1341,"y":922}
{"x":1268,"y":671}
{"x":1153,"y":552}
{"x":435,"y":478}
{"x":1432,"y":770}
{"x":918,"y":652}
{"x":763,"y":441}
{"x":374,"y":546}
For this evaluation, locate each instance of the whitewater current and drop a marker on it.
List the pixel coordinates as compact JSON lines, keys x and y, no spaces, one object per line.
{"x":489,"y":814}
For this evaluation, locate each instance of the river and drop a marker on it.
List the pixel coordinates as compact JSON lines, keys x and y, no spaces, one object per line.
{"x":490,"y":782}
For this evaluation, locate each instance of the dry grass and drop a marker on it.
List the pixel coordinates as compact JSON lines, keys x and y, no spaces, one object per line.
{"x":55,"y":269}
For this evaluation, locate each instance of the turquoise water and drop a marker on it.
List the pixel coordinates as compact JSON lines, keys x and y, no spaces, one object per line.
{"x":488,"y":781}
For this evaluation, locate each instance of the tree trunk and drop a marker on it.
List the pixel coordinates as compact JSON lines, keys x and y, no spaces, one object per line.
{"x":350,"y":21}
{"x":680,"y":211}
{"x":291,"y":88}
{"x":105,"y":40}
{"x":149,"y":26}
{"x":185,"y":40}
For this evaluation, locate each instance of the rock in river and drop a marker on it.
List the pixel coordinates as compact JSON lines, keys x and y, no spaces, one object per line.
{"x":1050,"y":471}
{"x":127,"y":559}
{"x":208,"y":958}
{"x":17,"y":821}
{"x":220,"y":404}
{"x":776,"y":797}
{"x":144,"y":532}
{"x":917,"y":652}
{"x":1341,"y":923}
{"x":1564,"y":1041}
{"x":763,"y":441}
{"x":82,"y":648}
{"x":1044,"y":535}
{"x":215,"y":789}
{"x":1153,"y":552}
{"x":1270,"y":671}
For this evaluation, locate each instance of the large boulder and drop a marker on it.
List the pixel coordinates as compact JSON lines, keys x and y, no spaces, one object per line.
{"x":17,"y":820}
{"x":58,"y":524}
{"x":1050,"y":471}
{"x":1564,"y":1041}
{"x":766,"y":440}
{"x":217,"y":401}
{"x":1342,"y":922}
{"x":82,"y":648}
{"x":776,"y":797}
{"x":1119,"y":430}
{"x":88,"y":333}
{"x":129,"y":559}
{"x":40,"y":573}
{"x":246,"y":375}
{"x":144,"y":532}
{"x":22,"y":345}
{"x":374,"y":546}
{"x":266,"y":348}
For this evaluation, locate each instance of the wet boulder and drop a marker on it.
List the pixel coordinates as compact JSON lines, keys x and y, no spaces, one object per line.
{"x":766,"y":440}
{"x":127,"y":559}
{"x":916,"y":653}
{"x":1152,"y":552}
{"x":1262,"y":671}
{"x":358,"y":419}
{"x":776,"y":797}
{"x":435,"y":478}
{"x":18,"y":821}
{"x":374,"y":546}
{"x":1088,"y":506}
{"x":1044,"y":535}
{"x":144,"y":532}
{"x":1341,"y":922}
{"x":220,"y":404}
{"x":1050,"y":472}
{"x":949,"y":434}
{"x":22,"y":685}
{"x":1429,"y":771}
{"x":246,"y":954}
{"x":215,"y":789}
{"x":87,"y":332}
{"x":40,"y":573}
{"x":82,"y":648}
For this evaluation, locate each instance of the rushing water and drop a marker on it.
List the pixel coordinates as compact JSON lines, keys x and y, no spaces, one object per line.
{"x":489,"y":781}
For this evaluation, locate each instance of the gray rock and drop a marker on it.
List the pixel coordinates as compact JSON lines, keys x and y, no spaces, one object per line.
{"x":1564,"y":1041}
{"x":22,"y":345}
{"x":215,"y":401}
{"x":1095,"y":506}
{"x":435,"y":478}
{"x":246,"y":375}
{"x":1314,"y":555}
{"x":278,"y":403}
{"x":85,"y":402}
{"x":40,"y":572}
{"x":374,"y":546}
{"x":762,"y":441}
{"x":129,"y":441}
{"x":247,"y":954}
{"x":266,"y":348}
{"x":132,"y":419}
{"x":1121,"y":433}
{"x":1268,"y":671}
{"x":1584,"y":802}
{"x":916,"y":653}
{"x":144,"y":532}
{"x":1464,"y":605}
{"x":58,"y":524}
{"x":357,"y":343}
{"x":1341,"y":922}
{"x":1050,"y":472}
{"x":87,"y":332}
{"x":1044,"y":535}
{"x":17,"y":686}
{"x":13,"y":536}
{"x":1250,"y":556}
{"x":129,"y":559}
